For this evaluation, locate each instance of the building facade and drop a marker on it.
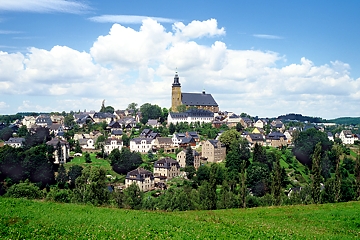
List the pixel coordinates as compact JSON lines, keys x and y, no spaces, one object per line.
{"x":214,"y":151}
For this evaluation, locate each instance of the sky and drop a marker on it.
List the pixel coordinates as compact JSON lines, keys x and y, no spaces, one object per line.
{"x":264,"y":58}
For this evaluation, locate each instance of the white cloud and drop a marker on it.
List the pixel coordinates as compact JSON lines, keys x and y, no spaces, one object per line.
{"x":3,"y":105}
{"x":198,"y":29}
{"x":9,"y":32}
{"x":267,"y":36}
{"x":128,"y":19}
{"x":44,"y":6}
{"x":138,"y":65}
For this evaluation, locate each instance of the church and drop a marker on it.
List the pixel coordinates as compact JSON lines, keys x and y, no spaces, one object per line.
{"x":197,"y":100}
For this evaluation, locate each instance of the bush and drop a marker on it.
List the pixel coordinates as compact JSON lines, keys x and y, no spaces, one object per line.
{"x":59,"y":195}
{"x":252,"y":201}
{"x":267,"y":200}
{"x":24,"y":190}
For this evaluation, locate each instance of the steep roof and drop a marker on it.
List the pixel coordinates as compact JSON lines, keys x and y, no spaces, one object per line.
{"x":276,"y":136}
{"x":166,"y":163}
{"x":139,"y":174}
{"x":198,"y":99}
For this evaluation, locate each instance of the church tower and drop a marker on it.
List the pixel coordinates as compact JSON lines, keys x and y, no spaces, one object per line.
{"x":176,"y":94}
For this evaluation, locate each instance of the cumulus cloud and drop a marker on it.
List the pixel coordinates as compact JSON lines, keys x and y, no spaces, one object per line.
{"x":128,"y":19}
{"x":3,"y":105}
{"x":137,"y":65}
{"x":44,"y":6}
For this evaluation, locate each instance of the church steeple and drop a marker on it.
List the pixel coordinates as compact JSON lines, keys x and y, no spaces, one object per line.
{"x":176,"y":80}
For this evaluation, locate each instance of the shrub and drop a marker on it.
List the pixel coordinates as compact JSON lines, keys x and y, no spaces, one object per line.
{"x":24,"y":190}
{"x":252,"y":201}
{"x":59,"y":195}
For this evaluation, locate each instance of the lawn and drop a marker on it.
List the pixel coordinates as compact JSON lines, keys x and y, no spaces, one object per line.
{"x":25,"y":219}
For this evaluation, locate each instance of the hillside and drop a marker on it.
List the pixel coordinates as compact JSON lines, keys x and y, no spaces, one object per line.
{"x":25,"y":219}
{"x":345,"y":120}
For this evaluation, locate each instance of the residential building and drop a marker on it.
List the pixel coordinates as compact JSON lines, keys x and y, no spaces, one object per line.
{"x":347,"y":137}
{"x":214,"y":151}
{"x":166,"y":167}
{"x":43,"y":121}
{"x":181,"y":158}
{"x":15,"y":142}
{"x":142,"y":145}
{"x":64,"y":154}
{"x":111,"y":144}
{"x":165,"y":143}
{"x":87,"y":143}
{"x":191,"y":116}
{"x":143,"y":178}
{"x":276,"y":139}
{"x":183,"y":140}
{"x":255,"y":138}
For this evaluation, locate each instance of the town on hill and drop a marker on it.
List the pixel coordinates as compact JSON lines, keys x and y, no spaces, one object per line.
{"x":191,"y":156}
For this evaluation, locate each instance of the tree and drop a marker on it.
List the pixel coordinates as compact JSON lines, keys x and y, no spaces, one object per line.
{"x":181,"y":108}
{"x":304,"y":144}
{"x":172,"y":128}
{"x":69,"y":120}
{"x":61,"y":177}
{"x":276,"y":183}
{"x":243,"y":189}
{"x":74,"y":173}
{"x":239,"y":152}
{"x":357,"y":175}
{"x":149,"y":111}
{"x":150,"y":155}
{"x":23,"y":131}
{"x":124,"y":161}
{"x":87,"y":158}
{"x":337,"y":185}
{"x":77,"y":147}
{"x":125,"y":139}
{"x":189,"y":158}
{"x":133,"y":196}
{"x":133,"y":106}
{"x":6,"y":133}
{"x":229,"y":137}
{"x":202,"y":174}
{"x":316,"y":173}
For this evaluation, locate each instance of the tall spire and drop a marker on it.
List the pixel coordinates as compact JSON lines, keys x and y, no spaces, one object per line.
{"x":176,"y":80}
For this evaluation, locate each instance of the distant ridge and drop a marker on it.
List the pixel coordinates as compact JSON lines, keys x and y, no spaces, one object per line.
{"x":300,"y":118}
{"x":345,"y":120}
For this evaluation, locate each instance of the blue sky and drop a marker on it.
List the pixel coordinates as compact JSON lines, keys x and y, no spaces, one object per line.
{"x":265,"y":58}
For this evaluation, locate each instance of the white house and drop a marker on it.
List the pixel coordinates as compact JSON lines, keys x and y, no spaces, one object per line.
{"x":141,"y":145}
{"x":143,"y":178}
{"x":65,"y":150}
{"x":191,"y":116}
{"x":15,"y":142}
{"x":347,"y":137}
{"x":111,"y":144}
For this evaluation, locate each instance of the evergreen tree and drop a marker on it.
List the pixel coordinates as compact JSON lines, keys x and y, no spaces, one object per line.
{"x":87,"y":158}
{"x":276,"y":184}
{"x":243,"y":190}
{"x":316,"y":173}
{"x":61,"y":177}
{"x":357,"y":175}
{"x":189,"y":158}
{"x":133,"y":197}
{"x":77,"y":147}
{"x":337,"y":184}
{"x":74,"y":173}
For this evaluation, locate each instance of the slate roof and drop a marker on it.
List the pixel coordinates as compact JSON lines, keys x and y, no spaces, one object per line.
{"x":108,"y":141}
{"x":166,"y":163}
{"x":138,"y":140}
{"x":275,"y":136}
{"x":116,"y":132}
{"x":53,"y":142}
{"x":15,"y":140}
{"x":256,"y":137}
{"x":214,"y":142}
{"x":192,"y":113}
{"x":103,"y":115}
{"x":198,"y":99}
{"x":139,"y":174}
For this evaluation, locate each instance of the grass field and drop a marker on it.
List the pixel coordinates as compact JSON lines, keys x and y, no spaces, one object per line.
{"x":25,"y":219}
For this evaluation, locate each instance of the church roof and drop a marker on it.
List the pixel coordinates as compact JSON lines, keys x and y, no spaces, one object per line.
{"x":198,"y":99}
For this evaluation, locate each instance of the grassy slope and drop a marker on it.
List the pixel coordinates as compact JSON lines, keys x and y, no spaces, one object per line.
{"x":44,"y":220}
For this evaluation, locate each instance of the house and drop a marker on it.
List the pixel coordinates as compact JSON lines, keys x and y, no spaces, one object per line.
{"x":55,"y":128}
{"x":100,"y":117}
{"x":166,"y":167}
{"x":288,"y":136}
{"x":330,"y":136}
{"x":191,"y":116}
{"x":214,"y":151}
{"x":148,"y":133}
{"x":153,"y":123}
{"x":116,"y":133}
{"x":87,"y":143}
{"x":15,"y":142}
{"x":276,"y":139}
{"x":164,"y":143}
{"x":255,"y":138}
{"x":260,"y":124}
{"x":246,"y":122}
{"x":43,"y":121}
{"x":143,"y":178}
{"x":29,"y":121}
{"x":232,"y":120}
{"x":83,"y":119}
{"x":181,"y":158}
{"x":258,"y":130}
{"x":57,"y":119}
{"x":183,"y":140}
{"x":111,"y":144}
{"x":142,"y":145}
{"x":64,"y":154}
{"x":347,"y":137}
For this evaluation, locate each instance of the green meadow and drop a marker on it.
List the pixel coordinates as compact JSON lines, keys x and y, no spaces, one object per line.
{"x":26,"y":219}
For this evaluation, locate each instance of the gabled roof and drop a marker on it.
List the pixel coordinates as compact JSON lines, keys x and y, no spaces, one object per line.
{"x":166,"y":163}
{"x":139,"y":139}
{"x":54,"y":142}
{"x":192,"y":113}
{"x":139,"y":174}
{"x":109,"y":140}
{"x":214,"y":142}
{"x":198,"y":99}
{"x":164,"y":140}
{"x":103,"y":115}
{"x":116,"y":132}
{"x":256,"y":137}
{"x":276,"y":136}
{"x":15,"y":140}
